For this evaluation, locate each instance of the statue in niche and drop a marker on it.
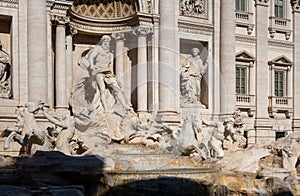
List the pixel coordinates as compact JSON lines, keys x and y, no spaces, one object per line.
{"x":5,"y":91}
{"x":191,"y":76}
{"x":98,"y":101}
{"x":101,"y":66}
{"x":192,"y":7}
{"x":101,"y":84}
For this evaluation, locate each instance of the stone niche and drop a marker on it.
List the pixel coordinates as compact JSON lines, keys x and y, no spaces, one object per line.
{"x":5,"y":55}
{"x":186,"y":47}
{"x":84,"y":41}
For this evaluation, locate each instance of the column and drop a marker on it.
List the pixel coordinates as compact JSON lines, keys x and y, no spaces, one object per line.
{"x":142,"y":72}
{"x":60,"y":64}
{"x":127,"y":75}
{"x":69,"y":59}
{"x":263,"y":124}
{"x":153,"y":99}
{"x":216,"y":62}
{"x":37,"y":50}
{"x":169,"y":92}
{"x":227,"y":58}
{"x":23,"y":54}
{"x":296,"y":66}
{"x":120,"y":49}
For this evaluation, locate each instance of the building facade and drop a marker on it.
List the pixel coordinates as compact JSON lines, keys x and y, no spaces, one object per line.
{"x":249,"y":51}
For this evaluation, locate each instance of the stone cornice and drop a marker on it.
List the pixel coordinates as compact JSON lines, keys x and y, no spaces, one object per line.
{"x":282,"y":44}
{"x":295,"y":5}
{"x":97,"y":29}
{"x":145,"y":19}
{"x":9,"y":3}
{"x":50,"y":3}
{"x":62,"y":5}
{"x":243,"y":38}
{"x":262,"y":2}
{"x":271,"y":42}
{"x":190,"y":27}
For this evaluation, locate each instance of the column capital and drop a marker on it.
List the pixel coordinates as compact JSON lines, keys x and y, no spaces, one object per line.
{"x":295,"y":5}
{"x":60,"y":20}
{"x":118,"y":36}
{"x":262,"y":2}
{"x":143,"y":31}
{"x":72,"y":30}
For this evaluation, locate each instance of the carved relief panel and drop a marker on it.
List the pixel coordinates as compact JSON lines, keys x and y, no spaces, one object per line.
{"x":195,"y":8}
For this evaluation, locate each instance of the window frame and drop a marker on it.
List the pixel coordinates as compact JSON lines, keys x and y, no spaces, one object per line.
{"x":238,"y":5}
{"x":277,"y":7}
{"x":280,"y":90}
{"x":246,"y":78}
{"x":284,"y":65}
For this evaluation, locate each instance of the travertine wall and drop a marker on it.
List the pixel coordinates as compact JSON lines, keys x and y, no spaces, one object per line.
{"x":44,"y":58}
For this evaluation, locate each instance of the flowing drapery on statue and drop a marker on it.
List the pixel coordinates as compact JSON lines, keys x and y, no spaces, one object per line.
{"x":191,"y":76}
{"x":5,"y":89}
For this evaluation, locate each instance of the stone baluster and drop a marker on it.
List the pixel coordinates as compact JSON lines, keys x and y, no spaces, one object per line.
{"x":37,"y":50}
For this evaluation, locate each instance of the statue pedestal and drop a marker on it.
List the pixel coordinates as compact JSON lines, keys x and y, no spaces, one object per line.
{"x":170,"y":118}
{"x":195,"y":108}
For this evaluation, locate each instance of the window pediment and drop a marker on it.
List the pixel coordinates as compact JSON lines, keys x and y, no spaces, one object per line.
{"x":282,"y":61}
{"x":244,"y":56}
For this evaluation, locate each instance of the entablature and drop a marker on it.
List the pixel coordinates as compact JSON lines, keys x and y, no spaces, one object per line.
{"x":9,"y":3}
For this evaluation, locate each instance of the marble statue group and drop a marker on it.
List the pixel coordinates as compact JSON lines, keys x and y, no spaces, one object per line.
{"x":102,"y":116}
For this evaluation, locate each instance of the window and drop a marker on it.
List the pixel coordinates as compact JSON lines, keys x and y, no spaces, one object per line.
{"x":241,"y":80}
{"x":279,"y":83}
{"x":280,"y":98}
{"x":278,"y":8}
{"x":241,"y":5}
